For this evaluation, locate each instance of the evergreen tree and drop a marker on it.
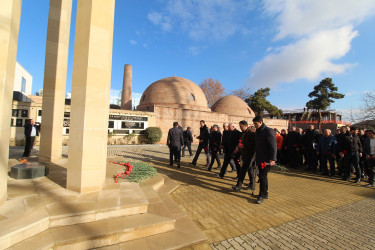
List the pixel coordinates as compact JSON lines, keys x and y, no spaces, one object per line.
{"x":323,"y":95}
{"x":258,"y":103}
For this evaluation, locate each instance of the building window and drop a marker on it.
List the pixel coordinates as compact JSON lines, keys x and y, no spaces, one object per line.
{"x":15,"y":112}
{"x":25,"y":113}
{"x":67,"y":131}
{"x":39,"y":112}
{"x":111,"y":124}
{"x":192,"y":97}
{"x":23,"y":85}
{"x":11,"y":122}
{"x":19,"y":122}
{"x":133,"y":125}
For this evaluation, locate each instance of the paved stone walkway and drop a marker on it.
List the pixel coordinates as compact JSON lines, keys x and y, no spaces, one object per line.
{"x":347,"y":227}
{"x":302,"y":209}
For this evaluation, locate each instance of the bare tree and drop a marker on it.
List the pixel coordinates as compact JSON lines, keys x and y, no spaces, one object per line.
{"x":213,"y":90}
{"x":368,"y":105}
{"x":241,"y":93}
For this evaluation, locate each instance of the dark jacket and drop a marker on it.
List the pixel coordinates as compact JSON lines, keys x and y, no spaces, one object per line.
{"x":233,"y":141}
{"x":28,"y":128}
{"x":215,"y":140}
{"x":204,"y":134}
{"x":248,"y":142}
{"x":225,"y":139}
{"x":310,"y":137}
{"x":348,"y":143}
{"x":293,"y":140}
{"x":265,"y":144}
{"x":188,"y":136}
{"x":367,"y":147}
{"x":327,"y":145}
{"x":175,"y":138}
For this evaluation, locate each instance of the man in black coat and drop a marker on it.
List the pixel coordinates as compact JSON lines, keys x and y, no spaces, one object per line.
{"x":293,"y":142}
{"x":230,"y":150}
{"x":31,"y":130}
{"x":215,"y":143}
{"x":369,"y":152}
{"x":350,"y":150}
{"x":247,"y":148}
{"x":265,"y":153}
{"x":188,"y":139}
{"x":310,"y":141}
{"x":204,"y":136}
{"x":175,"y":141}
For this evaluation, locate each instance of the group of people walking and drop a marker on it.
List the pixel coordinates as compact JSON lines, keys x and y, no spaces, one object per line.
{"x":347,"y":152}
{"x":252,"y":150}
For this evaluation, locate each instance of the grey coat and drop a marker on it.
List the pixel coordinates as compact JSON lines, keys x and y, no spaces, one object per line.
{"x":175,"y":138}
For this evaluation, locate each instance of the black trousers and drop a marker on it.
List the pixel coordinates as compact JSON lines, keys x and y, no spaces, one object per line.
{"x":215,"y":156}
{"x":371,"y":170}
{"x":29,"y":145}
{"x":263,"y":180}
{"x":311,"y":159}
{"x":293,"y":156}
{"x":243,"y":170}
{"x":227,"y":159}
{"x":350,"y":161}
{"x":188,"y":145}
{"x":176,"y":152}
{"x":324,"y":159}
{"x":199,"y":150}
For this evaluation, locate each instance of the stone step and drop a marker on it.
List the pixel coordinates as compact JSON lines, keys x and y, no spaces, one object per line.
{"x":100,"y":233}
{"x":111,"y":203}
{"x":156,"y":182}
{"x":16,"y":229}
{"x":169,"y":186}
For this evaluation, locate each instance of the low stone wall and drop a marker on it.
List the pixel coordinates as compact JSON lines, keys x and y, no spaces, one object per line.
{"x":112,"y":140}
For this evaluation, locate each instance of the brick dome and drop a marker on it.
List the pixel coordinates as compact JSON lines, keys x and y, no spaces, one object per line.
{"x":232,"y":105}
{"x":174,"y":92}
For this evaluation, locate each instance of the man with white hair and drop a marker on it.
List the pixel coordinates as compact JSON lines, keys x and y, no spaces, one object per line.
{"x":326,"y":149}
{"x":229,"y":149}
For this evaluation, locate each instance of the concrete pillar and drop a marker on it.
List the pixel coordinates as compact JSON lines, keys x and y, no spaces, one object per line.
{"x":10,"y":16}
{"x":55,"y":70}
{"x":126,"y":97}
{"x":90,"y":95}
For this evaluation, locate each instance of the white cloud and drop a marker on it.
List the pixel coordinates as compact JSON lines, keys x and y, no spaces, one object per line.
{"x":203,"y":19}
{"x":307,"y":58}
{"x":320,"y":31}
{"x":196,"y":50}
{"x":300,"y":18}
{"x":133,"y":42}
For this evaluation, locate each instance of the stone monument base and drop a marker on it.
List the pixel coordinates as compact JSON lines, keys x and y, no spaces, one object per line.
{"x":28,"y":171}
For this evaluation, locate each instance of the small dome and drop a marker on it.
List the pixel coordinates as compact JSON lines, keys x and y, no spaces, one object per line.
{"x":232,"y":105}
{"x":174,"y":92}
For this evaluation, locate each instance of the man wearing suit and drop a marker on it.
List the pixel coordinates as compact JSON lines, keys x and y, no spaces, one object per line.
{"x":204,"y":137}
{"x":188,"y":139}
{"x":369,"y":152}
{"x":265,"y":151}
{"x":31,"y":130}
{"x":175,"y":141}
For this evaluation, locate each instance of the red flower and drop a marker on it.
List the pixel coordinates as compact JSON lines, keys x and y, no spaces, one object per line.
{"x":263,"y":165}
{"x":295,"y":145}
{"x":344,"y":151}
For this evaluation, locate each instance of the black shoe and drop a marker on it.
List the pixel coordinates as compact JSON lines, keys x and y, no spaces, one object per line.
{"x":191,"y":163}
{"x":236,"y":188}
{"x":260,"y":200}
{"x":178,"y":165}
{"x":357,"y":180}
{"x":218,"y":175}
{"x":369,"y":185}
{"x":218,"y":167}
{"x":209,"y":169}
{"x":171,"y":164}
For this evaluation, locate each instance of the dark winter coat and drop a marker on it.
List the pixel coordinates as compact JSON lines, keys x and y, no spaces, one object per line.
{"x":248,"y":141}
{"x":175,"y":138}
{"x":348,"y":143}
{"x":265,"y":144}
{"x":310,"y":137}
{"x":188,"y":136}
{"x":215,"y":140}
{"x":327,"y":145}
{"x":204,"y":135}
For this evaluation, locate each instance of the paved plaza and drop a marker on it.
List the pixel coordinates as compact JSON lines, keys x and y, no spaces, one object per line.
{"x":304,"y":210}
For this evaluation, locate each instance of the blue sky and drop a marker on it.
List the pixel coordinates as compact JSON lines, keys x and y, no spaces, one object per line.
{"x":288,"y":45}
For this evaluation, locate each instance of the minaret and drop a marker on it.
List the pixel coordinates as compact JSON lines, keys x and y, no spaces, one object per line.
{"x":126,"y":97}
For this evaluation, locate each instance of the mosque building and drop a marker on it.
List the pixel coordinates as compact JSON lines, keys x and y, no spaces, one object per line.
{"x":162,"y":103}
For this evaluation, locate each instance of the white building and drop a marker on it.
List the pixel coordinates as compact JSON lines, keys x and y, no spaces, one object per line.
{"x":23,"y":80}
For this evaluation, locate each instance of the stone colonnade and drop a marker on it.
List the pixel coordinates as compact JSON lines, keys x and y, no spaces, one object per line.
{"x":90,"y":87}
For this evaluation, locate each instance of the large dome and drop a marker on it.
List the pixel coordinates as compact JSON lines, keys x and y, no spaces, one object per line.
{"x":232,"y":105}
{"x":174,"y":92}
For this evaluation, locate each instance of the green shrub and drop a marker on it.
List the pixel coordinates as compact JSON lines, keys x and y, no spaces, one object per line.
{"x":141,"y":172}
{"x":153,"y":134}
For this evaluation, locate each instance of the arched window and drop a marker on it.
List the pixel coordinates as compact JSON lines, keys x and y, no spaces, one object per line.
{"x":192,"y":97}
